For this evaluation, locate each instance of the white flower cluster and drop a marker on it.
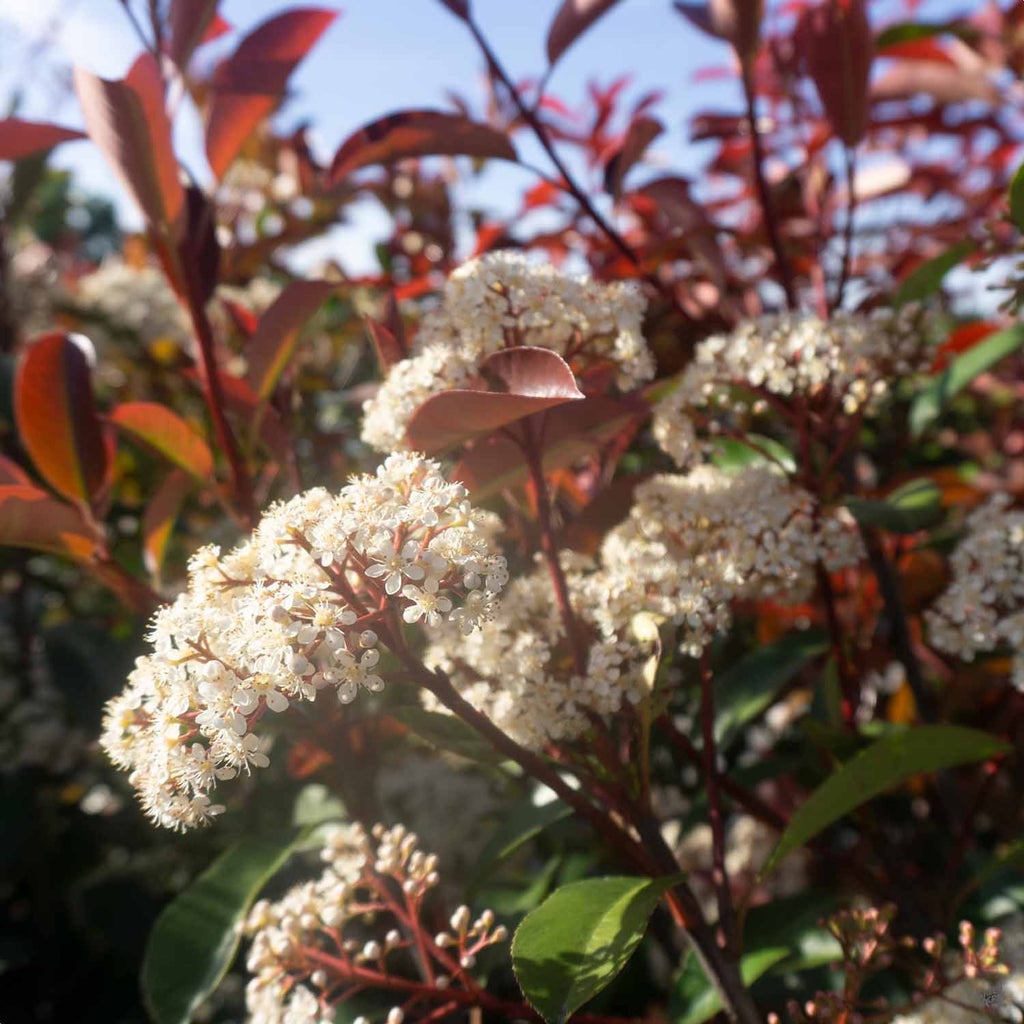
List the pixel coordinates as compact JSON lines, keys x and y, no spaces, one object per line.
{"x":305,"y":956}
{"x":983,"y":606}
{"x":137,"y":300}
{"x":498,"y":300}
{"x":695,"y":542}
{"x":851,"y":357}
{"x":295,"y":609}
{"x":519,"y":670}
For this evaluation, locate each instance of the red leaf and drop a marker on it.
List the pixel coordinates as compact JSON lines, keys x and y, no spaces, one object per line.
{"x":641,"y":133}
{"x":128,"y":122}
{"x":515,"y":382}
{"x":56,"y":416}
{"x":159,"y":518}
{"x":837,"y":46}
{"x":945,"y":84}
{"x":574,"y":17}
{"x":460,"y":8}
{"x":571,"y":432}
{"x":277,"y":332}
{"x":919,"y":49}
{"x":12,"y":473}
{"x":31,"y":518}
{"x":190,"y":23}
{"x":962,"y":339}
{"x":20,"y":138}
{"x":164,"y":430}
{"x":605,"y":510}
{"x":735,"y":21}
{"x":244,"y":319}
{"x":247,"y":86}
{"x":410,"y":133}
{"x":388,"y":349}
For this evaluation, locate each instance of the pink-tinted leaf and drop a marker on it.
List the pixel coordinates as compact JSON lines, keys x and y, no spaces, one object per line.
{"x":277,"y":332}
{"x":56,"y":416}
{"x":513,"y":383}
{"x":31,"y":518}
{"x":159,"y":518}
{"x":574,"y":17}
{"x":944,"y":83}
{"x":572,"y":432}
{"x":12,"y":473}
{"x":410,"y":133}
{"x":248,"y":85}
{"x":128,"y":122}
{"x":734,"y":21}
{"x":641,"y":133}
{"x":388,"y":349}
{"x":20,"y":138}
{"x":163,"y":429}
{"x":837,"y":46}
{"x":188,"y":22}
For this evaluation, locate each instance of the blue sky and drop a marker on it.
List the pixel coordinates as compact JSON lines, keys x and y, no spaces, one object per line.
{"x":379,"y":56}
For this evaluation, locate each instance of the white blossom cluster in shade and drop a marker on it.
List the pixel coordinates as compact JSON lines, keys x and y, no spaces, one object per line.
{"x":134,"y":299}
{"x":315,"y":944}
{"x":697,"y":541}
{"x":295,"y":609}
{"x":498,"y":300}
{"x":519,"y":669}
{"x":851,"y":358}
{"x":983,"y":606}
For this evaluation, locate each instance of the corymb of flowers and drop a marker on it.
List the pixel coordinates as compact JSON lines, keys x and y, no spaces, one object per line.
{"x":297,"y":608}
{"x":502,"y":300}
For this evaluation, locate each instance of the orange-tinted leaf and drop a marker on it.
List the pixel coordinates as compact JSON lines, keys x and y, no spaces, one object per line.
{"x":31,"y":518}
{"x":20,"y":138}
{"x":514,"y":382}
{"x":410,"y":133}
{"x":248,"y":85}
{"x":388,"y":349}
{"x":960,"y":340}
{"x":189,"y":22}
{"x":56,"y":416}
{"x":641,"y":133}
{"x":159,"y":518}
{"x":307,"y":758}
{"x":128,"y":122}
{"x":273,"y":344}
{"x":571,"y":432}
{"x":164,"y":430}
{"x":574,"y":17}
{"x":837,"y":46}
{"x":12,"y":473}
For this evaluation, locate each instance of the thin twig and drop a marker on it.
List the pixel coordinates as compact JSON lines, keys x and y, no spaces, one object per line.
{"x":850,"y":158}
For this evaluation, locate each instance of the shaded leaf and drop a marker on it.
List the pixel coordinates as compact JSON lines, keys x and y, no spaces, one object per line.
{"x":960,"y":372}
{"x":447,"y":733}
{"x":248,"y":85}
{"x":579,"y":938}
{"x":56,"y":416}
{"x":517,"y":828}
{"x":574,"y":17}
{"x":388,"y":349}
{"x":641,"y":133}
{"x":19,"y":138}
{"x":732,"y":455}
{"x":927,"y":278}
{"x":409,"y":133}
{"x":1007,"y":858}
{"x":695,"y":1000}
{"x":159,"y":517}
{"x":915,"y":506}
{"x":128,"y":122}
{"x":277,"y":332}
{"x":514,"y":383}
{"x":745,"y":689}
{"x":31,"y":518}
{"x":460,"y":8}
{"x":889,"y":761}
{"x":12,"y":473}
{"x":188,"y":22}
{"x":735,"y":21}
{"x":195,"y":937}
{"x":164,"y":430}
{"x":1017,"y":198}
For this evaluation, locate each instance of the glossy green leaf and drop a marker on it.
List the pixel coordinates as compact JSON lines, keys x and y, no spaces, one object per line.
{"x":695,"y":1000}
{"x":795,"y":922}
{"x":885,"y":764}
{"x":516,"y":829}
{"x":579,"y":938}
{"x":927,"y":278}
{"x":1007,"y":858}
{"x":960,"y":372}
{"x":914,"y":506}
{"x":447,"y":733}
{"x":1017,"y":198}
{"x":746,"y":689}
{"x":195,"y":937}
{"x":909,"y":32}
{"x":732,"y":455}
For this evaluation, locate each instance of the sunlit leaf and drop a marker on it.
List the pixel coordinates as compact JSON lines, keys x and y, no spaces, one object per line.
{"x":159,"y":517}
{"x":1017,"y":198}
{"x":164,"y":430}
{"x":31,"y":518}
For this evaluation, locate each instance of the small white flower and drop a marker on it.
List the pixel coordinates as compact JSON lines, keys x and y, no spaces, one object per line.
{"x":394,"y":565}
{"x":427,"y":606}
